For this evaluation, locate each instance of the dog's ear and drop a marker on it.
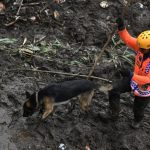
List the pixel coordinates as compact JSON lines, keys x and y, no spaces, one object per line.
{"x":28,"y":94}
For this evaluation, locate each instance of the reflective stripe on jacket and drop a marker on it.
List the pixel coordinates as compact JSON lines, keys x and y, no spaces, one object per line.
{"x":140,"y":82}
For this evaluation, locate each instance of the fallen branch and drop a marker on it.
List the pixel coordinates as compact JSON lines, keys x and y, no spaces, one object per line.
{"x":33,"y":4}
{"x":60,"y":73}
{"x":13,"y":22}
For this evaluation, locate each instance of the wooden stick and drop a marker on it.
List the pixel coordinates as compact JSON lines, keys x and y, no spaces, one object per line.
{"x":61,"y":73}
{"x":125,"y":9}
{"x":100,"y":54}
{"x":13,"y":22}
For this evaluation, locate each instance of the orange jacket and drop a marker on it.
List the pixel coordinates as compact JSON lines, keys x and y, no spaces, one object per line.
{"x":141,"y":74}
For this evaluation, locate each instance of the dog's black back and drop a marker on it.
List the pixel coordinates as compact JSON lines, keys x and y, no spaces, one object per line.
{"x":66,"y":90}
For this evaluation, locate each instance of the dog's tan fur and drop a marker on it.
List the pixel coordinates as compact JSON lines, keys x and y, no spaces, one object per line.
{"x":84,"y":101}
{"x":48,"y":106}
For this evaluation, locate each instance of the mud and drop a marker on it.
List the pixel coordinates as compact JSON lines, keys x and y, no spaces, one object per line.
{"x":74,"y":40}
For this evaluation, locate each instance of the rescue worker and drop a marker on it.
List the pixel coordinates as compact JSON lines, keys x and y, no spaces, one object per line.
{"x":138,"y":81}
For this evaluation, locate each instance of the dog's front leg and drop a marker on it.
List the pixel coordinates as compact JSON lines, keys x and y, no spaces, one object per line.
{"x":85,"y":99}
{"x":48,"y":107}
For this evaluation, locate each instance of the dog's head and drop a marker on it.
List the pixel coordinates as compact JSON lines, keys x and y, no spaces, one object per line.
{"x":29,"y":106}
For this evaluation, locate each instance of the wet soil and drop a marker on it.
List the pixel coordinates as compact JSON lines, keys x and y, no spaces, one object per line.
{"x":69,"y":45}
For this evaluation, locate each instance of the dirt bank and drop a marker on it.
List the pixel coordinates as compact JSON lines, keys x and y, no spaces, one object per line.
{"x":67,"y":44}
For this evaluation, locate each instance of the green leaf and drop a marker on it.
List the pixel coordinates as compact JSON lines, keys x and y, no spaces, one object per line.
{"x":34,"y":48}
{"x":7,"y":41}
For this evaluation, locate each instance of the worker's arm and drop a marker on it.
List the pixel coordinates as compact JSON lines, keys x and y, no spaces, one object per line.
{"x":125,"y":36}
{"x":141,"y":80}
{"x":128,"y":39}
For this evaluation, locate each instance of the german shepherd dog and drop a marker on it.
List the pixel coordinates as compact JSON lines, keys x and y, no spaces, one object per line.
{"x":59,"y":93}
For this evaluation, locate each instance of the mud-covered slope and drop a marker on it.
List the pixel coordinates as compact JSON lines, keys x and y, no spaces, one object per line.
{"x":77,"y":37}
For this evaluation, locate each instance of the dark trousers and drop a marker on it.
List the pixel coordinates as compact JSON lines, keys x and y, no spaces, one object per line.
{"x":122,"y":86}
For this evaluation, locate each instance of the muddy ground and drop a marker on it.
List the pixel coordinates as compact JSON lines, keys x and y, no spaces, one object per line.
{"x":69,"y":44}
